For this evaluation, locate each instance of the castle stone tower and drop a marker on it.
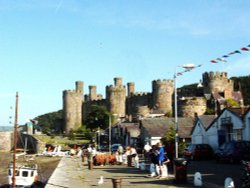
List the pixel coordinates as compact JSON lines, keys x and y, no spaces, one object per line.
{"x":72,"y":107}
{"x":116,"y":98}
{"x":131,"y":88}
{"x":217,"y":82}
{"x":162,"y":95}
{"x":92,"y":93}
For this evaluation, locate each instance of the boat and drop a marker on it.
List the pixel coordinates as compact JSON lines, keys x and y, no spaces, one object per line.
{"x":26,"y":174}
{"x":22,"y":172}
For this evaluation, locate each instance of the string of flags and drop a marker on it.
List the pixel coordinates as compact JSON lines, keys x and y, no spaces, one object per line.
{"x":187,"y":69}
{"x":224,"y":57}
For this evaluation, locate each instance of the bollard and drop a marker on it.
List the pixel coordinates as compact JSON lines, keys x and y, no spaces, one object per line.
{"x":117,"y":182}
{"x":90,"y":165}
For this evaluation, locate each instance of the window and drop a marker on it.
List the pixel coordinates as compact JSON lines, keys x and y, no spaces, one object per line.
{"x":25,"y":173}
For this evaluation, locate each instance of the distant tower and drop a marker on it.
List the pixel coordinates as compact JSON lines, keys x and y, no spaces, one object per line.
{"x":116,"y":98}
{"x":162,"y":95}
{"x":217,"y":82}
{"x":72,"y":107}
{"x":131,"y":88}
{"x":92,"y":93}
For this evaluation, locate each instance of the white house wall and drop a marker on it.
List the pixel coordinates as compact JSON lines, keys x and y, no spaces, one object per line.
{"x":246,"y":132}
{"x":199,"y":134}
{"x":236,"y":121}
{"x":212,"y":136}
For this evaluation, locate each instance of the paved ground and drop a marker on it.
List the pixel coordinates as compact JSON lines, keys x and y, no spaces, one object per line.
{"x":73,"y":173}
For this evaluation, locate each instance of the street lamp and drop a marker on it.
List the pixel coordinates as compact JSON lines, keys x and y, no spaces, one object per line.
{"x":187,"y":67}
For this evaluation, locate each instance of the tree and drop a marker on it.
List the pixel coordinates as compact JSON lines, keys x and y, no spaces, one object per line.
{"x":50,"y":122}
{"x":232,"y":103}
{"x":169,"y":139}
{"x":98,"y":117}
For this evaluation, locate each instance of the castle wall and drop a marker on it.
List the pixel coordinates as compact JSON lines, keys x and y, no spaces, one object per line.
{"x":192,"y":105}
{"x":137,"y":100}
{"x":162,"y":95}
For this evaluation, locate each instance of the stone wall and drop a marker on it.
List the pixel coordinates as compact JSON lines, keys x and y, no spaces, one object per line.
{"x":189,"y":106}
{"x":6,"y":141}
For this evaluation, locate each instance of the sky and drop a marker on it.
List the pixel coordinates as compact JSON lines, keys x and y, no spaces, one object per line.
{"x":45,"y":46}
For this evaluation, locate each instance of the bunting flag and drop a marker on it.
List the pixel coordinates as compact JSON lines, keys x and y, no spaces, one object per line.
{"x":186,"y":70}
{"x":213,"y":61}
{"x":245,"y":49}
{"x":223,"y":59}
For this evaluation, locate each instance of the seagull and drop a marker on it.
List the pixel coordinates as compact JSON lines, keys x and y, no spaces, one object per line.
{"x":100,"y":182}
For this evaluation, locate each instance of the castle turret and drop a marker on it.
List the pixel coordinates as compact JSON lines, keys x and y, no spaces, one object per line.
{"x":131,"y":88}
{"x":92,"y":93}
{"x":162,"y":95}
{"x":72,"y":107}
{"x":217,"y":82}
{"x":116,"y":98}
{"x":79,"y":86}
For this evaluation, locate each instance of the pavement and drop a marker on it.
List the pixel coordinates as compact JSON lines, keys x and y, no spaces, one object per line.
{"x":73,"y":173}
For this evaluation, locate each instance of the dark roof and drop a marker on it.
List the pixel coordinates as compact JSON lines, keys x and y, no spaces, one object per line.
{"x":158,"y":127}
{"x":236,"y":95}
{"x":238,"y":111}
{"x":206,"y":121}
{"x":132,"y":128}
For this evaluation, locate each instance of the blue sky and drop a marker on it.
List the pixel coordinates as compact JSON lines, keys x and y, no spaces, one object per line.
{"x":45,"y":46}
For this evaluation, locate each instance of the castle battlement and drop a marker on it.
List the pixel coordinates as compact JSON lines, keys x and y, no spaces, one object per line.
{"x":164,"y":81}
{"x":69,"y":92}
{"x":215,"y":75}
{"x":114,"y":88}
{"x":140,"y":94}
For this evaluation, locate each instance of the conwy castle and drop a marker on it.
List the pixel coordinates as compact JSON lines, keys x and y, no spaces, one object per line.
{"x":212,"y":93}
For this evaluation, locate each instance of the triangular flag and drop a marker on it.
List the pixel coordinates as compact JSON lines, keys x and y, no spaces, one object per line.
{"x":231,"y":53}
{"x":248,"y":45}
{"x":213,"y":61}
{"x":237,"y":51}
{"x":225,"y":56}
{"x":221,"y":59}
{"x":179,"y":74}
{"x":245,"y":49}
{"x":199,"y":65}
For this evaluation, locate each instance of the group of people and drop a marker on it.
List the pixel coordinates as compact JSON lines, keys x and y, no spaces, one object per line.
{"x":158,"y":158}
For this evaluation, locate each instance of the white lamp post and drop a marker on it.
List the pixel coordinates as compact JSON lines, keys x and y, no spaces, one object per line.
{"x":187,"y":67}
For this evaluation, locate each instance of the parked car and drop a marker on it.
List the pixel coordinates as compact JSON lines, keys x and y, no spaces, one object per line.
{"x":198,"y":151}
{"x":233,"y":151}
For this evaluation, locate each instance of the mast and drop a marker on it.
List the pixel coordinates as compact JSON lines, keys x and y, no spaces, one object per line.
{"x":15,"y":143}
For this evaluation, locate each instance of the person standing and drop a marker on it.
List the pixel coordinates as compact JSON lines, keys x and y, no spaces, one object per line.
{"x":146,"y":151}
{"x":160,"y":157}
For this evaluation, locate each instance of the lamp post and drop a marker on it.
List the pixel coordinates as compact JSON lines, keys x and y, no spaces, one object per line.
{"x":110,"y":133}
{"x":187,"y":68}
